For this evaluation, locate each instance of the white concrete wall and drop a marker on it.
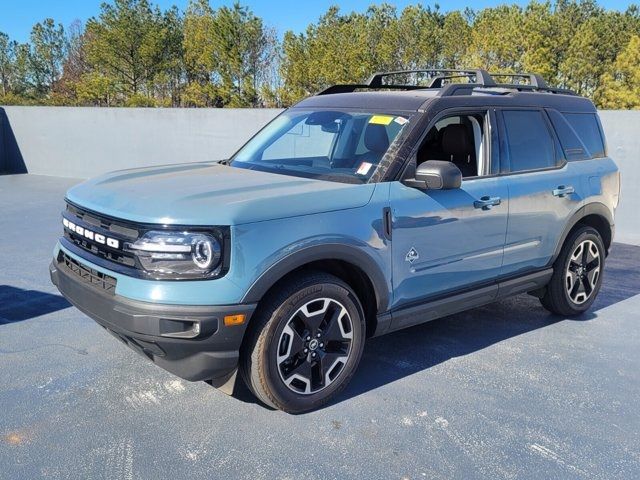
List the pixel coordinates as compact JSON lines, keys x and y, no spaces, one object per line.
{"x":622,"y":129}
{"x":84,"y":142}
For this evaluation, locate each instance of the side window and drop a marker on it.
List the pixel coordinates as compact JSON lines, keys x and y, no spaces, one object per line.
{"x":529,"y":141}
{"x":572,"y":146}
{"x":586,"y":126}
{"x":459,"y":139}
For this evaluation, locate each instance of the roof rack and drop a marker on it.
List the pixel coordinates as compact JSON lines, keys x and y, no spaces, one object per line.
{"x":478,"y":78}
{"x":474,"y":76}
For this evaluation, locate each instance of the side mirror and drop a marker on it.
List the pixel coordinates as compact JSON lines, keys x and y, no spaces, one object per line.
{"x":436,"y":175}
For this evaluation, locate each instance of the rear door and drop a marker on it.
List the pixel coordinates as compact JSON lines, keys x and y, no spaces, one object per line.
{"x":544,"y":190}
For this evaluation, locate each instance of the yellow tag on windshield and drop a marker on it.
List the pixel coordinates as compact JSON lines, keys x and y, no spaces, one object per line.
{"x":381,"y":119}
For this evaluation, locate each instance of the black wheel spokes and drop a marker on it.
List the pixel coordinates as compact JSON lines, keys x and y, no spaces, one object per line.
{"x":330,"y":364}
{"x":314,"y":346}
{"x":300,"y":376}
{"x":313,"y":321}
{"x":585,"y":252}
{"x":573,"y":285}
{"x":333,"y":330}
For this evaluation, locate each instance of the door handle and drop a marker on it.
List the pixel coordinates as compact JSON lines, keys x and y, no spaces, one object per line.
{"x":486,"y":202}
{"x":562,"y":191}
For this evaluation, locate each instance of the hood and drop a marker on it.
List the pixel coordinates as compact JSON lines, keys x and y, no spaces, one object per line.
{"x":212,"y":194}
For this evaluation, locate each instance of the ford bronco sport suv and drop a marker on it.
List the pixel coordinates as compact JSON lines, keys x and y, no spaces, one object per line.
{"x":359,"y":211}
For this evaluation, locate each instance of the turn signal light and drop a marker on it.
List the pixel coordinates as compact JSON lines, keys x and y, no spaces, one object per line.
{"x":230,"y":320}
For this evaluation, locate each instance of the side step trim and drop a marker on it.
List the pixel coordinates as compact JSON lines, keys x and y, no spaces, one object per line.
{"x":432,"y":310}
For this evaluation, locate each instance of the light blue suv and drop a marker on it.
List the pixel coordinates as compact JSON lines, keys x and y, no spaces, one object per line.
{"x":361,"y":210}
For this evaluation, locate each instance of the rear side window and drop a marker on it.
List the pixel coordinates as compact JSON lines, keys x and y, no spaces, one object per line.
{"x":587,"y":128}
{"x":529,"y":140}
{"x":571,"y":144}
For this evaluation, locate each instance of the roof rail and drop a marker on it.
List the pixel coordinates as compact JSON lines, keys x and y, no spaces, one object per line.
{"x":531,"y":88}
{"x":351,"y":87}
{"x":453,"y":89}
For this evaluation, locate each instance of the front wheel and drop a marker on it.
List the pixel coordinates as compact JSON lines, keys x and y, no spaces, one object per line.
{"x":577,"y":274}
{"x":305,"y":343}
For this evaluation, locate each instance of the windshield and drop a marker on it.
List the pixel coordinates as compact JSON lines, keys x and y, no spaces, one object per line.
{"x":326,"y":144}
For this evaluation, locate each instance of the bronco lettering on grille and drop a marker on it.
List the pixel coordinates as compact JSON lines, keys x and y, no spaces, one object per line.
{"x":90,"y":235}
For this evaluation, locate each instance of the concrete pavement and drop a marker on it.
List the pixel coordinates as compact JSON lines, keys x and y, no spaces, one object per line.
{"x":503,"y":391}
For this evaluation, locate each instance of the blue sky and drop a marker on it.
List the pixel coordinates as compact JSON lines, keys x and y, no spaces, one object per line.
{"x":18,"y":16}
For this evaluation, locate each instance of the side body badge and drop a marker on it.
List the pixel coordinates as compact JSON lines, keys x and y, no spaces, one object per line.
{"x":412,"y":255}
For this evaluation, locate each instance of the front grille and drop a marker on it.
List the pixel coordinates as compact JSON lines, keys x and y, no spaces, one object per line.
{"x":119,"y":228}
{"x":124,"y":233}
{"x":86,"y":275}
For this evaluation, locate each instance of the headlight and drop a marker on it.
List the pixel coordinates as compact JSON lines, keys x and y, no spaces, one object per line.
{"x":178,"y":254}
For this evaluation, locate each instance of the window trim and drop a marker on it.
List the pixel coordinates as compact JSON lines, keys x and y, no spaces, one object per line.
{"x":505,"y":154}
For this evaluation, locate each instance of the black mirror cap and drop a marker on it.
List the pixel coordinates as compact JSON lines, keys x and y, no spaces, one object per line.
{"x":438,"y":175}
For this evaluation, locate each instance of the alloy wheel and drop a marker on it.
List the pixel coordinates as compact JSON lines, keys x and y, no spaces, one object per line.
{"x":583,"y":270}
{"x":314,"y":346}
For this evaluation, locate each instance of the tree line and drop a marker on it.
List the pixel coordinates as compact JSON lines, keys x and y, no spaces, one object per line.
{"x":135,"y":54}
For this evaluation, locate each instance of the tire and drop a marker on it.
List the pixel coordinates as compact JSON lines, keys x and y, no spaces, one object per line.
{"x":577,"y":274}
{"x":305,"y":344}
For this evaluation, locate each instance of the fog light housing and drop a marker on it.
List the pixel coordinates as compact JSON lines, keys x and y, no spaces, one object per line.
{"x":179,"y":328}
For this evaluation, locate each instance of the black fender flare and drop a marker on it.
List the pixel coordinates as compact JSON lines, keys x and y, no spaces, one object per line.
{"x":328,"y":251}
{"x":595,"y":208}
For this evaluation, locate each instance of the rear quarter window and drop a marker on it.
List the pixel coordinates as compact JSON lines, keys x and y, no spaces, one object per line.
{"x":586,"y":127}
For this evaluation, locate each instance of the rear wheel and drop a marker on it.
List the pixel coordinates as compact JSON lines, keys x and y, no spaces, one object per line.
{"x":305,"y":344}
{"x":577,"y":274}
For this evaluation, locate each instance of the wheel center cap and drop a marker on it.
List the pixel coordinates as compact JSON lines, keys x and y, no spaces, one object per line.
{"x":313,"y":344}
{"x":580,"y":271}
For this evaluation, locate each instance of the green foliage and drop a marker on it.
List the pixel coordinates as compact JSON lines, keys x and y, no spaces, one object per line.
{"x":622,"y":80}
{"x":130,"y":43}
{"x":593,"y":49}
{"x":496,"y":38}
{"x":135,"y":54}
{"x":47,"y":52}
{"x":226,"y":49}
{"x":96,"y":89}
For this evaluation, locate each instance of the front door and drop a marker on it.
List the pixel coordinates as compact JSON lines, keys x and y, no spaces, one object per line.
{"x":444,"y":241}
{"x":447,"y":240}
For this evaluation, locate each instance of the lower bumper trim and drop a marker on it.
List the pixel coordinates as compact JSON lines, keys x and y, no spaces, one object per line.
{"x":143,"y":326}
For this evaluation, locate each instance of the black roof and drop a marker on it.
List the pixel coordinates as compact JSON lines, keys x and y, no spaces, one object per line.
{"x":482,"y":90}
{"x":384,"y":100}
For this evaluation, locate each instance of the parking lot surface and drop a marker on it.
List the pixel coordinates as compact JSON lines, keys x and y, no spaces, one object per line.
{"x":502,"y":391}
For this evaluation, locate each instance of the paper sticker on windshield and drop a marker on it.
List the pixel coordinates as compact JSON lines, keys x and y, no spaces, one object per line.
{"x":381,"y":119}
{"x":364,"y":168}
{"x":400,"y":120}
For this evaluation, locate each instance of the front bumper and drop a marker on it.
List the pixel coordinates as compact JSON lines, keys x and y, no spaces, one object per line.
{"x":143,"y":326}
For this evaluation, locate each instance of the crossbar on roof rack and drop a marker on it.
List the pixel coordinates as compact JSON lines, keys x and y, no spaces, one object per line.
{"x":535,"y":80}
